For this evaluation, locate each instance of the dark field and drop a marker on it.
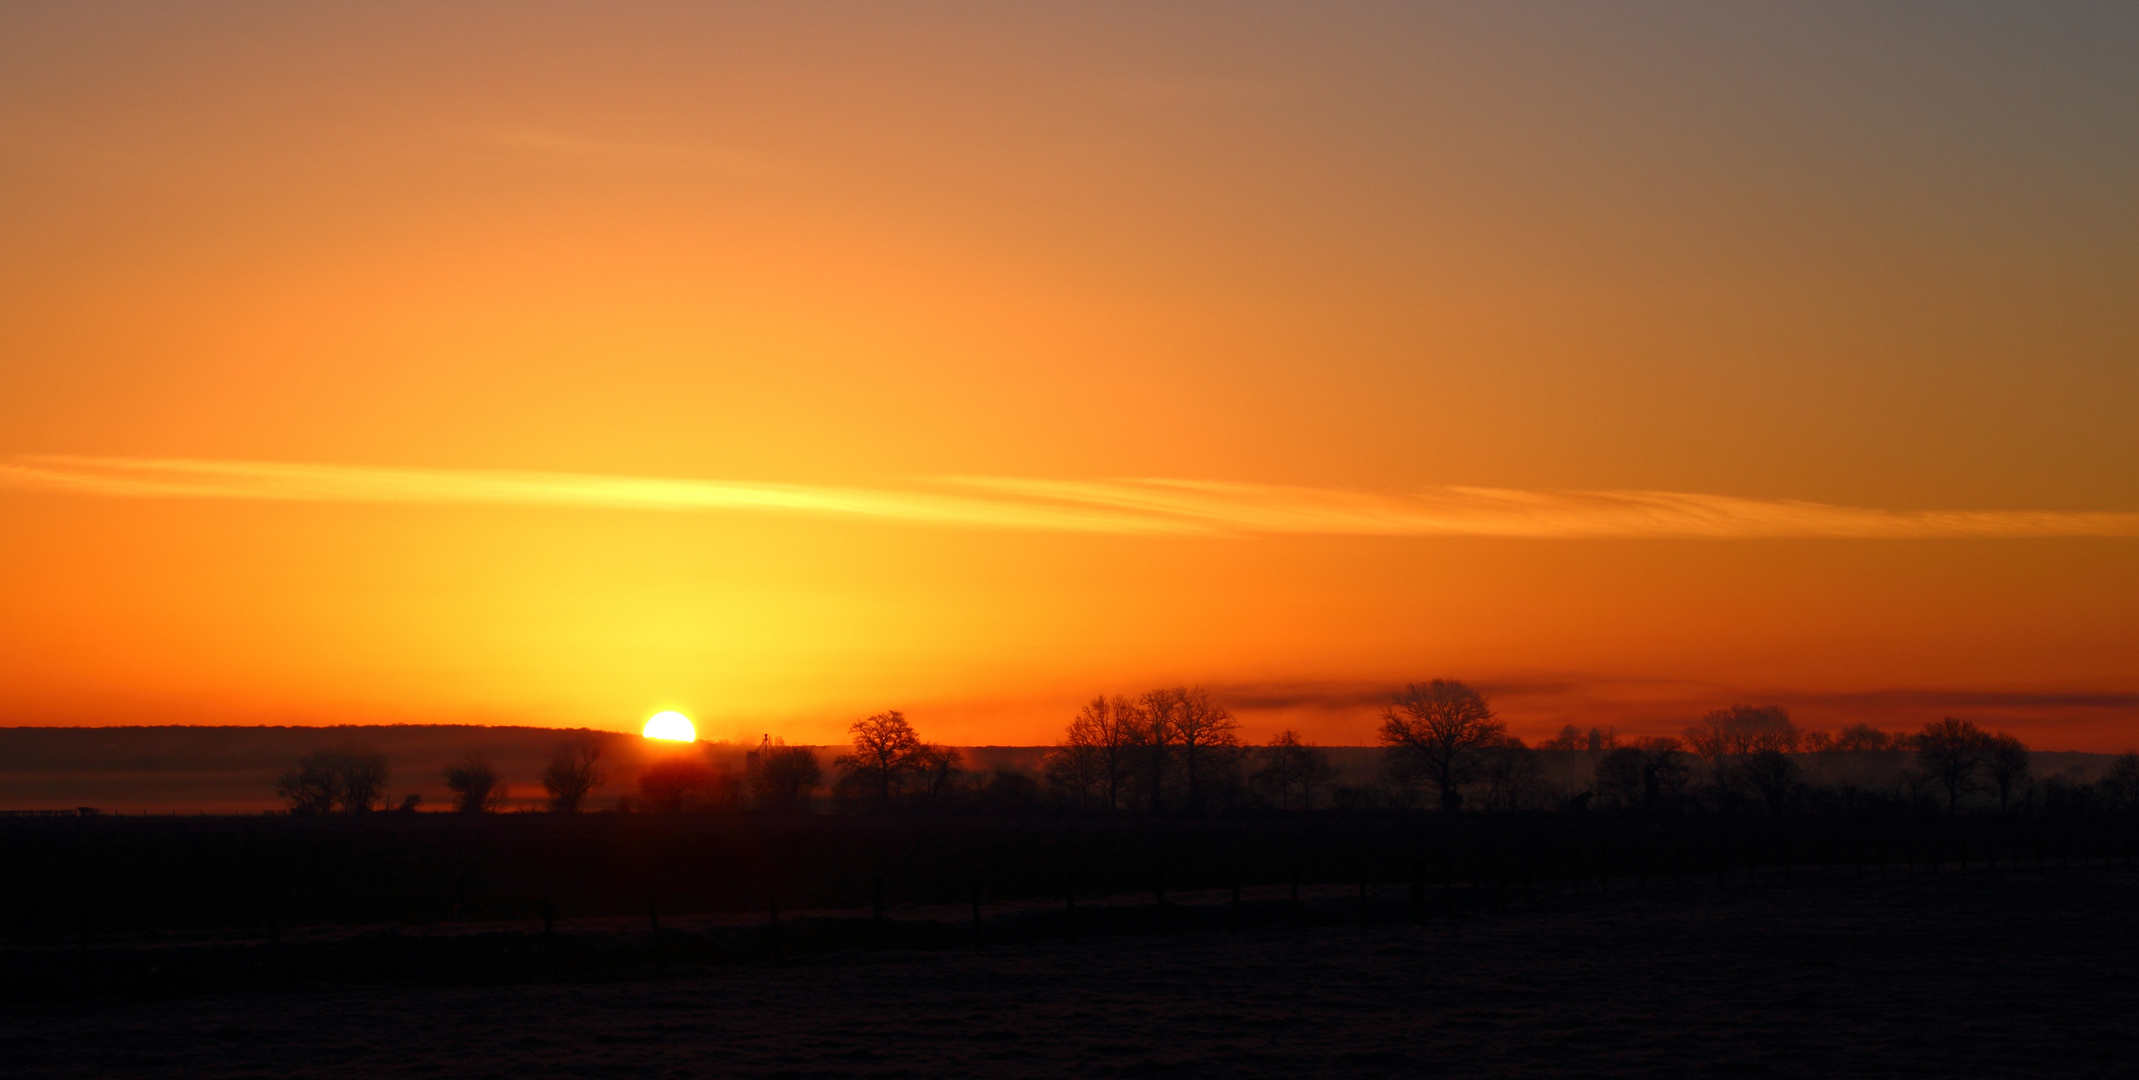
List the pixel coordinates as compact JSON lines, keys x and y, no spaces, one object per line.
{"x":2013,"y":972}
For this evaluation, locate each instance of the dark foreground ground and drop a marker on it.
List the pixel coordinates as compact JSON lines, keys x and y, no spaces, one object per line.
{"x":2032,"y":972}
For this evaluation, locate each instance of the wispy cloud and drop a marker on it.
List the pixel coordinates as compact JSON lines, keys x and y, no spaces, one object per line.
{"x":1146,"y":506}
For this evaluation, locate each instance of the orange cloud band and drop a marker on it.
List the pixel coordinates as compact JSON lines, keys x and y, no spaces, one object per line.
{"x":1124,"y":506}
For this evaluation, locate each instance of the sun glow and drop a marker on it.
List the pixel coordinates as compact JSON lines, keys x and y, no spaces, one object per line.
{"x":671,"y":726}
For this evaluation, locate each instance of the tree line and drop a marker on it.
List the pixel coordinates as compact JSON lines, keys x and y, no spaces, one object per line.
{"x":1176,"y":751}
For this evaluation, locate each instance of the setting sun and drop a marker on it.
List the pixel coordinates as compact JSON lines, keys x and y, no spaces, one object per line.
{"x":672,"y":726}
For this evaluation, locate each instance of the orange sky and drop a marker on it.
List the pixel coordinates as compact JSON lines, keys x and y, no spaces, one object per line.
{"x":561,"y":363}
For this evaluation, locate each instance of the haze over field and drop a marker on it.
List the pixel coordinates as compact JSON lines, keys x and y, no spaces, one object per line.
{"x":555,"y":365}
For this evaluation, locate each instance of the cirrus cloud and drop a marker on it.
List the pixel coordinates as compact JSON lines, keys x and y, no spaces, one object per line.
{"x":1152,"y":506}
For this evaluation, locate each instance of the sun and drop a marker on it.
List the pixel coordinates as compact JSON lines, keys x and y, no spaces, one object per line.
{"x":672,"y":726}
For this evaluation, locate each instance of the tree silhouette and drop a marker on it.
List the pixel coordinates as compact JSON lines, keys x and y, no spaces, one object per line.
{"x":310,"y":788}
{"x":1617,"y":777}
{"x":1743,"y":729}
{"x":327,"y":780}
{"x":1292,"y":771}
{"x":936,"y":770}
{"x":1439,"y":728}
{"x":572,"y":774}
{"x":1152,"y":742}
{"x":885,"y":748}
{"x":1093,"y":758}
{"x":1642,"y":774}
{"x":2006,"y":760}
{"x":681,"y":783}
{"x":476,"y":787}
{"x":1862,"y":738}
{"x":1206,"y":734}
{"x":784,"y":778}
{"x":2120,"y":786}
{"x":1774,"y":776}
{"x":1951,"y":752}
{"x":1569,"y":738}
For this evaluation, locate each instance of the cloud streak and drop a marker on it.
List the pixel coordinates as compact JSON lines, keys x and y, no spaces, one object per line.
{"x":1125,"y":506}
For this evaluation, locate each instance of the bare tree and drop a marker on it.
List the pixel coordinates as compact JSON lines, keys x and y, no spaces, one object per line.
{"x":1569,"y":738}
{"x":1509,"y":770}
{"x":1293,"y":771}
{"x":1617,"y":777}
{"x":1951,"y":752}
{"x":361,"y":775}
{"x":2006,"y":759}
{"x":1862,"y":738}
{"x":572,"y":774}
{"x":1664,"y":769}
{"x":1206,"y":734}
{"x":477,"y":788}
{"x":1774,"y":775}
{"x":327,"y":780}
{"x":936,"y":769}
{"x":685,"y":783}
{"x":1642,"y":774}
{"x":1152,"y":741}
{"x":1743,"y":729}
{"x":1440,"y":728}
{"x":311,"y":788}
{"x":1093,"y":758}
{"x":784,"y":778}
{"x":2120,"y":786}
{"x":885,"y":746}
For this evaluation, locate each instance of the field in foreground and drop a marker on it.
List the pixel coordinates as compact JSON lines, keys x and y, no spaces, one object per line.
{"x":2031,"y":972}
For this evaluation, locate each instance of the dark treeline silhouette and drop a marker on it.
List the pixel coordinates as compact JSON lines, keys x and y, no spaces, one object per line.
{"x":1151,"y":800}
{"x":1176,"y":753}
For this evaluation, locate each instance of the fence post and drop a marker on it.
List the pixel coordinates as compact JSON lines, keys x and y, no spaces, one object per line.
{"x":1069,"y":905}
{"x":1362,"y":894}
{"x":1294,"y":911}
{"x":876,"y":909}
{"x":978,"y":943}
{"x":1233,"y":921}
{"x":1418,"y":891}
{"x":772,"y":923}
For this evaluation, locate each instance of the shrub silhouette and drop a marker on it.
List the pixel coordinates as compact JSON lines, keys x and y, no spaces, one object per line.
{"x":476,"y":787}
{"x":1437,"y":731}
{"x":571,"y":774}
